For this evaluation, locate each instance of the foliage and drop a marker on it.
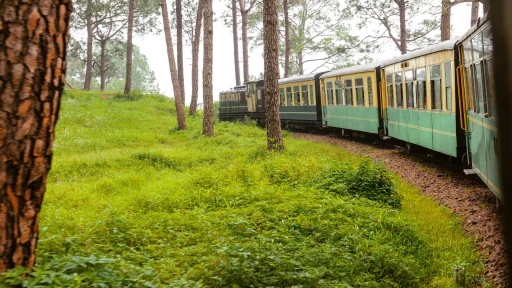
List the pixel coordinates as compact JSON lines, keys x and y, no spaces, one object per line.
{"x":366,"y":180}
{"x":130,"y":203}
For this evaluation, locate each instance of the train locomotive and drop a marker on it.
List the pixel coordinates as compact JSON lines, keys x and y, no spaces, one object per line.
{"x":440,"y":97}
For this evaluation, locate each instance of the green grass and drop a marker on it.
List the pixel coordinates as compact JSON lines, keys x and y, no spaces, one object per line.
{"x":133,"y":202}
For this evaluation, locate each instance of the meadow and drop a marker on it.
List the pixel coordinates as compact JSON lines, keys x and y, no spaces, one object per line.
{"x":132,"y":202}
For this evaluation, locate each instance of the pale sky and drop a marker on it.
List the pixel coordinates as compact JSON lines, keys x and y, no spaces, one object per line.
{"x":154,"y":47}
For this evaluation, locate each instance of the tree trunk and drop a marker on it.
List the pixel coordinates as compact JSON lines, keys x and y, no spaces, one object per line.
{"x":208,"y":117}
{"x":129,"y":49}
{"x":245,"y":43}
{"x":195,"y":58}
{"x":301,"y":63}
{"x":33,"y":43}
{"x":286,"y":39}
{"x":235,"y":42}
{"x":271,"y":49}
{"x":474,"y":12}
{"x":445,"y":20}
{"x":487,"y":6}
{"x":180,"y":111}
{"x":403,"y":26}
{"x":88,"y":69}
{"x":179,"y":35}
{"x":103,"y":64}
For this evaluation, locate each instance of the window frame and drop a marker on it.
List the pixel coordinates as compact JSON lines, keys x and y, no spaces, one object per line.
{"x":347,"y":89}
{"x":329,"y":103}
{"x":338,"y":89}
{"x":304,"y":103}
{"x":369,"y":82}
{"x":421,"y":80}
{"x":282,"y":96}
{"x":433,"y":81}
{"x":289,"y":96}
{"x":357,"y":87}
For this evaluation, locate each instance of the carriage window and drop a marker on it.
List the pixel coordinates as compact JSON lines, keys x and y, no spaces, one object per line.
{"x":409,"y":95}
{"x":370,"y":91}
{"x":305,"y":96}
{"x":448,"y":81}
{"x":359,"y":91}
{"x":435,"y":82}
{"x":398,"y":87}
{"x":289,"y":96}
{"x":421,"y":97}
{"x":296,"y":95}
{"x":330,"y":100}
{"x":311,"y":95}
{"x":479,"y":89}
{"x":488,"y":44}
{"x":348,"y":93}
{"x":339,"y":97}
{"x":391,"y":97}
{"x":490,"y":91}
{"x":281,"y":97}
{"x":478,"y":50}
{"x":469,"y":88}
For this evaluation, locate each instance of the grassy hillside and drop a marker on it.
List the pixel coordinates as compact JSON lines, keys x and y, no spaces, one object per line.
{"x":133,"y":202}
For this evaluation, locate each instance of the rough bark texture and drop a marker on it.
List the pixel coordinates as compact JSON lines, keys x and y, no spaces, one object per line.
{"x":501,"y":17}
{"x":445,"y":20}
{"x":286,"y":39}
{"x":235,"y":42}
{"x":179,"y":35}
{"x":474,"y":12}
{"x":245,"y":42}
{"x":195,"y":58}
{"x":88,"y":68}
{"x":208,"y":119}
{"x":129,"y":49}
{"x":271,"y":51}
{"x":180,"y":111}
{"x":403,"y":26}
{"x":33,"y":43}
{"x":103,"y":65}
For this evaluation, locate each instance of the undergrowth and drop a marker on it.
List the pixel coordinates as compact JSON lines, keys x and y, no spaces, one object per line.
{"x":132,"y":202}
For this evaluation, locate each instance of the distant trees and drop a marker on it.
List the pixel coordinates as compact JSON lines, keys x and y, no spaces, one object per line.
{"x":129,"y":48}
{"x":208,"y":116}
{"x":179,"y":41}
{"x":195,"y":57}
{"x":271,"y":50}
{"x":33,"y":41}
{"x":180,"y":109}
{"x":236,"y":53}
{"x":446,"y":7}
{"x":286,"y":39}
{"x":246,"y":7}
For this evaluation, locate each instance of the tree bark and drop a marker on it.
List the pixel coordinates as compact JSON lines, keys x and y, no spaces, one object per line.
{"x":245,"y":43}
{"x":179,"y":35}
{"x":33,"y":43}
{"x":129,"y":49}
{"x":286,"y":39}
{"x":88,"y":69}
{"x":195,"y":58}
{"x":235,"y":42}
{"x":301,"y":63}
{"x":271,"y":49}
{"x":180,"y":111}
{"x":403,"y":26}
{"x":208,"y":117}
{"x":103,"y":64}
{"x":445,"y":20}
{"x":474,"y":12}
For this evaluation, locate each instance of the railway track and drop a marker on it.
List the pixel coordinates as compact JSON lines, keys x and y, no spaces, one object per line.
{"x":445,"y":182}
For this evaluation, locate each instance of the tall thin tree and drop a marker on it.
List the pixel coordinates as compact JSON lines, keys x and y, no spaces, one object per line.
{"x":179,"y":35}
{"x":90,"y":31}
{"x":236,"y":55}
{"x":195,"y":58}
{"x":129,"y":49}
{"x":244,"y":12}
{"x":286,"y":39}
{"x":208,"y":117}
{"x":33,"y":46}
{"x":180,"y":110}
{"x":271,"y":52}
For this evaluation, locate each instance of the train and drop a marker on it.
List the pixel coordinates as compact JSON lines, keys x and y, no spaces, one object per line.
{"x":441,"y":97}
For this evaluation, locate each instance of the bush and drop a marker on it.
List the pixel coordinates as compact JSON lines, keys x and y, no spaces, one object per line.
{"x":368,"y":180}
{"x":134,"y":95}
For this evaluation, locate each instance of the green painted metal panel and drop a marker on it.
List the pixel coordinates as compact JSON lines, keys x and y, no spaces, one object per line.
{"x":444,"y":137}
{"x":364,"y":119}
{"x":303,"y":113}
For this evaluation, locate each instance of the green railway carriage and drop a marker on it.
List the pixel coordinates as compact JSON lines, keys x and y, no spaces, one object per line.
{"x":350,"y":98}
{"x":477,"y":101}
{"x":243,"y":101}
{"x":418,"y":96}
{"x":299,"y":98}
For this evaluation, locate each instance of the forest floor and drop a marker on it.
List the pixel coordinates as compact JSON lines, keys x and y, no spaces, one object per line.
{"x":466,"y":196}
{"x":132,"y":201}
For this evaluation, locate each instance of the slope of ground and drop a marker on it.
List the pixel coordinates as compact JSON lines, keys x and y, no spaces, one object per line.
{"x":133,"y":202}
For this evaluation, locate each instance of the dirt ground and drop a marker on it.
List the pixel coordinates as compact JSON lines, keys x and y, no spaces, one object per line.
{"x":446,"y":183}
